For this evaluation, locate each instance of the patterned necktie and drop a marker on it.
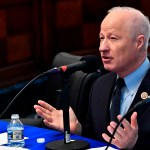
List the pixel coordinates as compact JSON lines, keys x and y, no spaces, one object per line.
{"x":115,"y":106}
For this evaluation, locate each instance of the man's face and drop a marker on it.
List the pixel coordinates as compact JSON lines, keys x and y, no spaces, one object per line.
{"x":117,"y":46}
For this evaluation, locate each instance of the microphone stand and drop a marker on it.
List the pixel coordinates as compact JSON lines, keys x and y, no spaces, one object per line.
{"x":66,"y":143}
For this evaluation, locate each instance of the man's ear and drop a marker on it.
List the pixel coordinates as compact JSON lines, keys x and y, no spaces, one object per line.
{"x":140,"y":41}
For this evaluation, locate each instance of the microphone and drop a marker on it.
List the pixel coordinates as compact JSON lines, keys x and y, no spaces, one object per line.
{"x":89,"y":63}
{"x":145,"y":100}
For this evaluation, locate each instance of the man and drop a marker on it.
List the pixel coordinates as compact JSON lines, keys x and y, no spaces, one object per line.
{"x":124,"y":35}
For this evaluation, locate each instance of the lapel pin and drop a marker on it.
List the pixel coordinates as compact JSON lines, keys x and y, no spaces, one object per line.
{"x":144,"y":95}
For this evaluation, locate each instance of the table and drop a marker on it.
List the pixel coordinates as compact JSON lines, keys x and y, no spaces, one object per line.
{"x":33,"y":133}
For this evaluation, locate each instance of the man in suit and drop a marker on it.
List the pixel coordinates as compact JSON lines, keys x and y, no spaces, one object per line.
{"x":124,"y":35}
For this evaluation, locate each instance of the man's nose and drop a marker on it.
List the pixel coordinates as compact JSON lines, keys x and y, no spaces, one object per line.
{"x":104,"y":46}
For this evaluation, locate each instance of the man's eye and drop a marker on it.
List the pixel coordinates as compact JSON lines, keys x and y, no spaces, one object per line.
{"x":101,"y":38}
{"x":113,"y":38}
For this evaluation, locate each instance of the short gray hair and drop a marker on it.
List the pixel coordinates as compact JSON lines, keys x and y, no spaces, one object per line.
{"x":141,"y":22}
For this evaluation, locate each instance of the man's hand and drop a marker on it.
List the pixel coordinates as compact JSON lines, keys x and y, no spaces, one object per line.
{"x":53,"y":118}
{"x":126,"y":137}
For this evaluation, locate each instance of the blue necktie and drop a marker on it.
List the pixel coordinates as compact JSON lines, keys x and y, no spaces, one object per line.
{"x":115,"y":106}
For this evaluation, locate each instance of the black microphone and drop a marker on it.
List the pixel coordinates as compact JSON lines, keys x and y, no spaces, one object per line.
{"x":145,"y":101}
{"x":89,"y":63}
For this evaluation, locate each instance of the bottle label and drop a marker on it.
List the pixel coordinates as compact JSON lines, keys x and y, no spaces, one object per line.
{"x":17,"y":135}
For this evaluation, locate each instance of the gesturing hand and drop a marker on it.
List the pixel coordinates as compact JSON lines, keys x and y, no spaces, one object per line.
{"x":53,"y":118}
{"x":126,"y":136}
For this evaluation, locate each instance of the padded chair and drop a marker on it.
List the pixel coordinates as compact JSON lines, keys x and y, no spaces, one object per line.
{"x":79,"y":84}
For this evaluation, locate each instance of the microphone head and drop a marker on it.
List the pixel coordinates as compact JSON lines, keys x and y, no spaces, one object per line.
{"x":92,"y":62}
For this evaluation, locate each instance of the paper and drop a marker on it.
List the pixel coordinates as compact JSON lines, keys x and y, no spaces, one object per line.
{"x":11,"y":148}
{"x":3,"y":140}
{"x":103,"y":148}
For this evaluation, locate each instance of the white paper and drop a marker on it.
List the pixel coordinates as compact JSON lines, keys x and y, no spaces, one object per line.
{"x":103,"y":148}
{"x":11,"y":148}
{"x":3,"y":140}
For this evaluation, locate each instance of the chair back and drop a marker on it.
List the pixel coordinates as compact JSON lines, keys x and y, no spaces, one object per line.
{"x":80,"y":84}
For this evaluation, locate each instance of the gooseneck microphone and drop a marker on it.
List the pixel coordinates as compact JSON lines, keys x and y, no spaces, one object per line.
{"x":145,"y":101}
{"x":89,"y":63}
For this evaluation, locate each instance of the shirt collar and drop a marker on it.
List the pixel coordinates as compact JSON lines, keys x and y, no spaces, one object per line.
{"x":134,"y":79}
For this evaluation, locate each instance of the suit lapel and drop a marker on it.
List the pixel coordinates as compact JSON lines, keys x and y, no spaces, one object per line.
{"x":103,"y":113}
{"x":144,"y":87}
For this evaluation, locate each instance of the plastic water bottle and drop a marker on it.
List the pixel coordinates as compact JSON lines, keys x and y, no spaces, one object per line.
{"x":15,"y":131}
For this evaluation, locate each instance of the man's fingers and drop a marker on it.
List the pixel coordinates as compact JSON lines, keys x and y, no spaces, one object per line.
{"x":134,"y":120}
{"x":46,"y":105}
{"x":43,"y":110}
{"x":127,"y":125}
{"x":119,"y":133}
{"x":106,"y":137}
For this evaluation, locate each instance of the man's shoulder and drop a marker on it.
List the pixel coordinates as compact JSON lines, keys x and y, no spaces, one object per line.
{"x":108,"y":76}
{"x":105,"y":80}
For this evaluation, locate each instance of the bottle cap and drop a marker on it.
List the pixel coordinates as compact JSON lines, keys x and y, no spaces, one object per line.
{"x":14,"y":116}
{"x":40,"y":140}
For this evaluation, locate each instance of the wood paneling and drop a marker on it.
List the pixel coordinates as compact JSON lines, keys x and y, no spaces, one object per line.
{"x":33,"y":31}
{"x":18,"y":40}
{"x":72,"y":25}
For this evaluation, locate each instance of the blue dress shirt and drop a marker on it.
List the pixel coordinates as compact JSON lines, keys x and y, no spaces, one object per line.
{"x":132,"y":82}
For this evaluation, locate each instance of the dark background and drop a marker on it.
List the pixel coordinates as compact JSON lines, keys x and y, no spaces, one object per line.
{"x":32,"y":32}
